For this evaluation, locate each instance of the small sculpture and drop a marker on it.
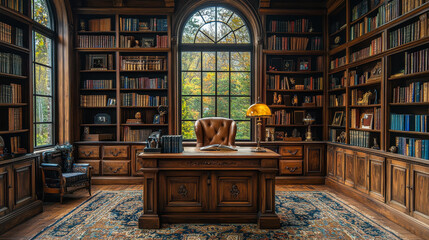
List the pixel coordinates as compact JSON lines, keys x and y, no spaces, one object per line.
{"x":138,"y":115}
{"x":267,"y":134}
{"x":86,"y":131}
{"x":295,"y":133}
{"x":279,"y":99}
{"x":342,"y":137}
{"x":295,"y":100}
{"x":376,"y":146}
{"x":365,"y":99}
{"x":136,"y":43}
{"x":272,"y":134}
{"x":275,"y":98}
{"x":393,"y":149}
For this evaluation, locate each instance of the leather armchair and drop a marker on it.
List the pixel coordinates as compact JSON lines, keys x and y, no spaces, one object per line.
{"x":215,"y":130}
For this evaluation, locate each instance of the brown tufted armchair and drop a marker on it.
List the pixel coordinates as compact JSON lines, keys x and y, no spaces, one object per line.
{"x":215,"y":130}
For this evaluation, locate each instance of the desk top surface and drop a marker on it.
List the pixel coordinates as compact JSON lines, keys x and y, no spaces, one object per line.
{"x":193,"y":152}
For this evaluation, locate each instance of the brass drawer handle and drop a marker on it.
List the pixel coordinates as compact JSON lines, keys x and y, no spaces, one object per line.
{"x":87,"y":154}
{"x":292,"y":169}
{"x":115,"y":154}
{"x":115,"y":171}
{"x":292,"y":153}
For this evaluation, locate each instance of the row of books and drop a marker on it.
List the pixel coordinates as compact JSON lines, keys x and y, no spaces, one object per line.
{"x":98,"y":84}
{"x":136,"y":135}
{"x":313,"y":83}
{"x":143,"y":83}
{"x":12,"y":35}
{"x":409,"y":122}
{"x":96,"y":101}
{"x":276,"y":82}
{"x":159,"y":41}
{"x":139,"y":100}
{"x":338,"y":82}
{"x":413,"y":93}
{"x":377,"y":119}
{"x":316,"y":43}
{"x":337,"y":100}
{"x":366,"y":119}
{"x":412,"y":147}
{"x":90,"y":41}
{"x":360,"y":138}
{"x":10,"y":93}
{"x":408,"y":5}
{"x":99,"y":62}
{"x":363,"y":7}
{"x":136,"y":24}
{"x":374,"y":48}
{"x":338,"y":62}
{"x":15,"y":119}
{"x":294,"y":43}
{"x":356,"y":78}
{"x":385,"y":13}
{"x":97,"y":25}
{"x":317,"y":100}
{"x":417,"y":61}
{"x":172,"y":143}
{"x":15,"y":145}
{"x":290,"y":26}
{"x":280,"y":117}
{"x":143,"y":63}
{"x":10,"y":63}
{"x":412,"y":32}
{"x":17,"y":5}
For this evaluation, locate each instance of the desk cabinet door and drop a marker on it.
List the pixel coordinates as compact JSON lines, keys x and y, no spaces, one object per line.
{"x":234,"y":191}
{"x":361,"y":172}
{"x":419,"y":189}
{"x":331,"y":162}
{"x":349,"y":168}
{"x":183,"y":191}
{"x":5,"y":190}
{"x":398,"y":185}
{"x":24,"y":183}
{"x":314,"y":160}
{"x":376,"y":183}
{"x":339,"y":165}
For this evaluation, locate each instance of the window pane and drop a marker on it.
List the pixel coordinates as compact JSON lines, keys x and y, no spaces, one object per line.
{"x":203,"y":38}
{"x":223,"y":83}
{"x":223,"y":107}
{"x":240,"y":83}
{"x":41,"y":13}
{"x":209,"y":107}
{"x":188,"y":130}
{"x":223,"y":61}
{"x":191,"y":61}
{"x":239,"y":107}
{"x":209,"y":14}
{"x":209,"y":61}
{"x":191,"y":83}
{"x":43,"y":49}
{"x":229,"y":39}
{"x":242,"y":35}
{"x":209,"y":83}
{"x":222,"y":31}
{"x":191,"y":108}
{"x":43,"y":107}
{"x":223,"y":14}
{"x":191,"y":28}
{"x":43,"y":80}
{"x":240,"y":61}
{"x":43,"y":134}
{"x":243,"y":130}
{"x":236,"y":22}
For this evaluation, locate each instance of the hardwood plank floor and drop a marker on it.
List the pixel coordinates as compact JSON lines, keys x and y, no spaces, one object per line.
{"x":53,"y":210}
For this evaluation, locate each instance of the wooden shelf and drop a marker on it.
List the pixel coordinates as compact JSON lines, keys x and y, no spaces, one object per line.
{"x":147,"y":107}
{"x":365,"y":106}
{"x":14,"y":131}
{"x":408,"y":76}
{"x":6,"y":75}
{"x":142,"y":50}
{"x":337,"y":107}
{"x":95,"y":32}
{"x":112,"y":107}
{"x":366,"y":130}
{"x":144,"y":125}
{"x":13,"y":104}
{"x":338,"y":31}
{"x":414,"y":104}
{"x":101,"y":89}
{"x":366,"y":84}
{"x":296,"y":33}
{"x":295,"y":107}
{"x":143,"y":32}
{"x":292,"y":52}
{"x":97,"y":125}
{"x":144,"y":71}
{"x":144,"y":89}
{"x":14,"y":47}
{"x":295,"y":72}
{"x":367,"y":14}
{"x":337,"y":90}
{"x":295,"y":90}
{"x":332,"y":126}
{"x":425,"y":134}
{"x":293,"y":125}
{"x":97,"y":71}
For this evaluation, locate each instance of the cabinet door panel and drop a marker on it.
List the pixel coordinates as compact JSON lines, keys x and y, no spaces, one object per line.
{"x":5,"y":191}
{"x":234,"y":192}
{"x":349,"y":165}
{"x":376,"y":183}
{"x":314,"y":160}
{"x":24,"y":183}
{"x":339,"y":165}
{"x":419,"y":187}
{"x":398,"y":185}
{"x":331,"y":161}
{"x":183,"y":191}
{"x":361,"y":172}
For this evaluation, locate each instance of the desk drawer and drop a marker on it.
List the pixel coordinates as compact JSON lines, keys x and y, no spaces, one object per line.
{"x":116,"y":168}
{"x":116,"y":152}
{"x":290,"y":167}
{"x":291,"y":151}
{"x":95,"y":164}
{"x":88,"y":152}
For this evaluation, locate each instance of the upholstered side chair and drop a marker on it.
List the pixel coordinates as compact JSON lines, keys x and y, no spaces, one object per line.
{"x":215,"y":130}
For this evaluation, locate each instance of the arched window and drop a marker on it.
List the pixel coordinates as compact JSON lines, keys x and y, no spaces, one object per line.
{"x":43,"y":74}
{"x":215,"y":71}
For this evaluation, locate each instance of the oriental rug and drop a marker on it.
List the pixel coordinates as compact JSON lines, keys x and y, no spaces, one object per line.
{"x":304,"y":215}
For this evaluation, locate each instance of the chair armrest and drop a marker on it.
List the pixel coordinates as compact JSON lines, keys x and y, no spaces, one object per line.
{"x":50,"y":165}
{"x":83,"y":168}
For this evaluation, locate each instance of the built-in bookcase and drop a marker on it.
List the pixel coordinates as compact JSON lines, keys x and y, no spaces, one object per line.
{"x":374,"y":80}
{"x":125,"y":68}
{"x":16,"y":83}
{"x":294,"y":76}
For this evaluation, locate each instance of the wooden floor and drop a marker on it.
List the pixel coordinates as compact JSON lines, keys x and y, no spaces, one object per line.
{"x":54,"y":210}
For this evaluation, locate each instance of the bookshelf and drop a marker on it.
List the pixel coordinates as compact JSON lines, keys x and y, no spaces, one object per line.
{"x":124,"y":60}
{"x":16,"y":82}
{"x":294,"y":74}
{"x":379,"y":36}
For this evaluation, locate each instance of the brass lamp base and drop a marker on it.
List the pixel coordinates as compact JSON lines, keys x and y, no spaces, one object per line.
{"x":259,"y":149}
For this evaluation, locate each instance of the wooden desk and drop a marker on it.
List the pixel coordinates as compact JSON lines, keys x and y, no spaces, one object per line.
{"x":209,"y":187}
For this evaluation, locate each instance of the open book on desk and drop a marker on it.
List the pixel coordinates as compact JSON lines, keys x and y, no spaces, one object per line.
{"x":218,"y":147}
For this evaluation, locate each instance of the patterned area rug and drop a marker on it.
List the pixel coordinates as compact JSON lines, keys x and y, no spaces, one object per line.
{"x":304,"y":215}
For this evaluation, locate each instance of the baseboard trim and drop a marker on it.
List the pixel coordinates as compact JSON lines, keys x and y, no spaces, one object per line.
{"x":406,"y":221}
{"x":300,"y":180}
{"x":20,"y":215}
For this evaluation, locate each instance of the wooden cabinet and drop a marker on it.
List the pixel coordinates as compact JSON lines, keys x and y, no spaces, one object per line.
{"x":18,"y":200}
{"x":349,"y":168}
{"x":398,"y":184}
{"x":290,"y":167}
{"x":314,"y":160}
{"x":116,"y":168}
{"x":361,"y":172}
{"x":376,"y":181}
{"x":95,"y":164}
{"x":136,"y":163}
{"x":290,"y":151}
{"x":419,"y":193}
{"x":88,"y":151}
{"x":331,"y":162}
{"x":116,"y":152}
{"x":339,"y":165}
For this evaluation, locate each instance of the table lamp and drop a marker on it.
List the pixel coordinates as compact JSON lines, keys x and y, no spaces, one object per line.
{"x":258,"y":110}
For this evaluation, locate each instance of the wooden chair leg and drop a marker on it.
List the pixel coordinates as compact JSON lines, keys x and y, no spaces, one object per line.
{"x":89,"y":189}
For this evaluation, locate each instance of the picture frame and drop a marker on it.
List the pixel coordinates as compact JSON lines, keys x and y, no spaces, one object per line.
{"x":366,"y":121}
{"x":304,"y":64}
{"x":148,"y":42}
{"x":338,"y":118}
{"x":288,"y":65}
{"x":298,"y":117}
{"x":276,"y":64}
{"x":98,"y":62}
{"x":102,"y":118}
{"x":156,"y":119}
{"x":279,"y":135}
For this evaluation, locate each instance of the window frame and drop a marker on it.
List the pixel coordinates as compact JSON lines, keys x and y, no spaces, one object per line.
{"x":48,"y":32}
{"x":216,"y":47}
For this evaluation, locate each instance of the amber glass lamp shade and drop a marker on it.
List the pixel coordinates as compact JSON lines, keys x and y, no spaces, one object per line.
{"x":258,"y":110}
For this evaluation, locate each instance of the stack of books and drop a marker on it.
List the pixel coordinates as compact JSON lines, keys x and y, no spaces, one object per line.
{"x":411,"y":32}
{"x":417,"y":61}
{"x":100,"y":25}
{"x":10,"y":63}
{"x":10,"y":93}
{"x":138,"y":100}
{"x":88,"y":41}
{"x":151,"y":24}
{"x":409,"y":122}
{"x":374,"y":48}
{"x":292,"y":26}
{"x":143,"y":83}
{"x":98,"y":84}
{"x":413,"y":147}
{"x":143,"y":63}
{"x":15,"y":119}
